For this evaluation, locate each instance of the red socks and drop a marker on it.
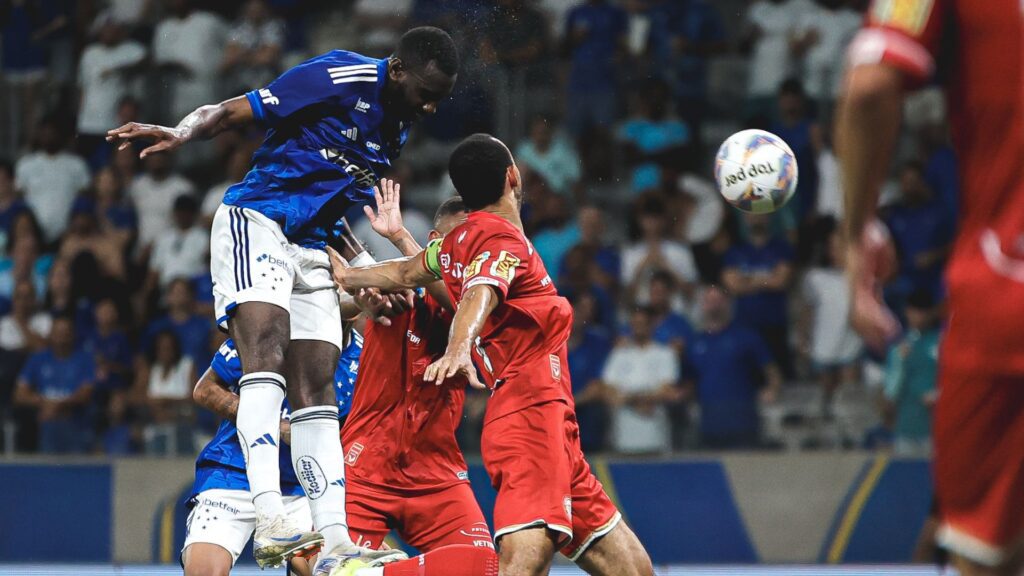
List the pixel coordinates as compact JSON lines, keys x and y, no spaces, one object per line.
{"x":454,"y":560}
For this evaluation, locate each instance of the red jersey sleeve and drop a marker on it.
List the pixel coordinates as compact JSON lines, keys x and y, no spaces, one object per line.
{"x":498,"y":258}
{"x":902,"y":33}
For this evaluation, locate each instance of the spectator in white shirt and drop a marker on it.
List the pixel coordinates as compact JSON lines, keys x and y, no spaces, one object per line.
{"x":103,"y":74}
{"x":181,"y":251}
{"x":655,"y":251}
{"x":821,"y":39}
{"x":154,"y":193}
{"x":26,"y":328}
{"x":770,"y":27}
{"x":49,"y":178}
{"x":640,"y":380}
{"x":551,"y":156}
{"x":252,"y":57}
{"x":188,"y":45}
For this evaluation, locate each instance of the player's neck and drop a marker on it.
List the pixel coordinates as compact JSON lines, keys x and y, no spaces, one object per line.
{"x":507,"y":210}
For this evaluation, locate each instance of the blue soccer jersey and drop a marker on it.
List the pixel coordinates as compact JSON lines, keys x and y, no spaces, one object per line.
{"x":221,"y":464}
{"x":327,"y":140}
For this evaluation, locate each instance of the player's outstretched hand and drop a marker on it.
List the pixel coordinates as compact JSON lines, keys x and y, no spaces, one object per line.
{"x":388,"y":220}
{"x":339,"y":267}
{"x":451,"y":365}
{"x":868,"y":264}
{"x":163,"y":137}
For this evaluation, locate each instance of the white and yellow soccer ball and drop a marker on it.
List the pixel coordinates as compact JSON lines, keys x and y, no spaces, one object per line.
{"x":756,"y":171}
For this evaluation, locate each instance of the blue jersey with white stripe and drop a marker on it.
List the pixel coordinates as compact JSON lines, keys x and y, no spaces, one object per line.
{"x":327,"y":140}
{"x":221,"y":464}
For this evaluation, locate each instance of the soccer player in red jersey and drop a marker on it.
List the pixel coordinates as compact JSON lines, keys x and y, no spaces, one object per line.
{"x":513,"y":326}
{"x":979,"y":418}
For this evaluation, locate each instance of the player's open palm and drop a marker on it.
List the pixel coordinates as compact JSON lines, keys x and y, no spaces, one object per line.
{"x":452,"y":365}
{"x":163,"y":137}
{"x":388,"y":220}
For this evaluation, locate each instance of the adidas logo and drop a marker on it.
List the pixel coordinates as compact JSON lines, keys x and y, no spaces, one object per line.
{"x":340,"y":482}
{"x":264,"y":440}
{"x":352,"y":133}
{"x":362,"y":106}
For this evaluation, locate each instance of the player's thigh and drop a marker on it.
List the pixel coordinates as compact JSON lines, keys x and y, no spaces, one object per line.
{"x":617,"y":553}
{"x":527,"y":552}
{"x":316,"y":342}
{"x":368,"y":514}
{"x":442,"y":518}
{"x":220,"y":520}
{"x":979,"y":466}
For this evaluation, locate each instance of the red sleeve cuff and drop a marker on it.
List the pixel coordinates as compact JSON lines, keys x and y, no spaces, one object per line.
{"x":885,"y":46}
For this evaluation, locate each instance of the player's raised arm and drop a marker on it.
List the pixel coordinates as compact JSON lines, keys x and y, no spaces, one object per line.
{"x":203,"y":123}
{"x":389,"y":276}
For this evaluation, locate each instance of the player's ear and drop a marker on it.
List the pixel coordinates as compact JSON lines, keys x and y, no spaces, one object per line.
{"x":433,"y":235}
{"x":513,"y":177}
{"x":395,"y":68}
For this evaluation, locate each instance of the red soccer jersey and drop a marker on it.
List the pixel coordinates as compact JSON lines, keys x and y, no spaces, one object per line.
{"x":400,"y":433}
{"x":979,"y":43}
{"x":522,"y":346}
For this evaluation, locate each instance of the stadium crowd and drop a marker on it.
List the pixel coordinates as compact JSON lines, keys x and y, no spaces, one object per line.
{"x":691,"y":317}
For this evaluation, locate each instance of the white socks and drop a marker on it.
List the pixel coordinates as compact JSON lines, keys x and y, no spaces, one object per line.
{"x":259,"y":429}
{"x":316,"y":455}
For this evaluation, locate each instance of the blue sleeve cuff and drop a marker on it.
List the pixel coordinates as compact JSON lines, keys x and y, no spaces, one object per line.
{"x":256,"y":103}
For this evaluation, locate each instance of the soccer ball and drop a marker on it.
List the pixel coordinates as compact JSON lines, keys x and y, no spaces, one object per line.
{"x":755,"y":171}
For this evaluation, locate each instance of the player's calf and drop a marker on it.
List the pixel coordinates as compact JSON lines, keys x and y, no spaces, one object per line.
{"x":527,"y":552}
{"x":617,"y":553}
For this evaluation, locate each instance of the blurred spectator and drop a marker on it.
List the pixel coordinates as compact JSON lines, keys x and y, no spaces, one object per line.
{"x":828,"y":338}
{"x":730,"y":370}
{"x":654,"y":251}
{"x":182,"y":251}
{"x":163,"y":388}
{"x":10,"y":203}
{"x":58,"y":382}
{"x":154,"y":193}
{"x":759,"y":273}
{"x":26,"y":328}
{"x":50,"y":177}
{"x":103,"y":72}
{"x":922,"y":230}
{"x":559,"y":233}
{"x":670,"y":327}
{"x":830,"y":186}
{"x":651,"y":138}
{"x":820,"y":39}
{"x":84,"y":235}
{"x":252,"y":56}
{"x":237,"y":167}
{"x":797,"y":127}
{"x":605,"y":256}
{"x":126,"y":163}
{"x":578,"y":277}
{"x":24,"y":263}
{"x":641,"y":378}
{"x":133,"y":12}
{"x":191,"y":328}
{"x":550,"y":156}
{"x":940,"y":163}
{"x":112,"y":355}
{"x":115,"y":213}
{"x":770,"y":26}
{"x":24,"y":28}
{"x":516,"y":36}
{"x":595,"y":33}
{"x":702,"y":212}
{"x":910,"y":377}
{"x":381,"y":22}
{"x":589,"y":346}
{"x":188,"y":46}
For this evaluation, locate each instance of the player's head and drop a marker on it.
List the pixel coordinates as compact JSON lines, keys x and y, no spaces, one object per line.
{"x":483,"y":172}
{"x":450,"y":214}
{"x":421,"y":72}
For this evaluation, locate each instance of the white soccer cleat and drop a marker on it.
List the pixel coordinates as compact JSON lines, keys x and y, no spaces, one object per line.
{"x":278,"y":540}
{"x":339,"y":562}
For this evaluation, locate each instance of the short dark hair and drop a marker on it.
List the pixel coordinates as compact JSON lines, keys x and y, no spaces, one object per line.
{"x":477,"y":168}
{"x":449,"y":207}
{"x":186,"y":203}
{"x":665,"y":277}
{"x":420,"y":46}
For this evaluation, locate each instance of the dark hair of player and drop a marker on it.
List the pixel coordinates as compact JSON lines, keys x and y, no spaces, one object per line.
{"x":420,"y":46}
{"x":477,"y":168}
{"x":449,"y":207}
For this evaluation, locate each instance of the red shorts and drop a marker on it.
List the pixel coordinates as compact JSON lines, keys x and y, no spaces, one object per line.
{"x":534,"y":459}
{"x":979,"y":464}
{"x":424,"y":520}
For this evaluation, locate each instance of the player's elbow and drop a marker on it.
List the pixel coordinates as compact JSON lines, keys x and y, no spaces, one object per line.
{"x":870,"y":85}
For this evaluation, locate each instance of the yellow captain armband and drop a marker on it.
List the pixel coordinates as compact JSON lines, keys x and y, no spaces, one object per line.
{"x":432,"y":257}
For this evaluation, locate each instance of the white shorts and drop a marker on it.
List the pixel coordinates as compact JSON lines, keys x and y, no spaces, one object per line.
{"x":252,"y":261}
{"x":227,"y":518}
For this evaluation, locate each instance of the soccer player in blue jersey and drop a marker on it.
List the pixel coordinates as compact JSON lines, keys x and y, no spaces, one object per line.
{"x":221,"y":513}
{"x":334,"y":122}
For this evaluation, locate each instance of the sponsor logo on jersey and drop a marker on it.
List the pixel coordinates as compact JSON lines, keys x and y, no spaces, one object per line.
{"x":353,"y":453}
{"x":363,"y":176}
{"x":567,"y":504}
{"x":312,"y":477}
{"x":373,"y":145}
{"x":462,"y":475}
{"x":268,"y":98}
{"x":412,"y":337}
{"x":446,"y":261}
{"x":362,"y":106}
{"x":911,"y":16}
{"x":556,"y":366}
{"x":474,"y":267}
{"x":505,"y":266}
{"x":207,"y":503}
{"x":273,"y":261}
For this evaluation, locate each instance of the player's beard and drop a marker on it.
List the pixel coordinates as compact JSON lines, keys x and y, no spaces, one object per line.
{"x":517,"y":193}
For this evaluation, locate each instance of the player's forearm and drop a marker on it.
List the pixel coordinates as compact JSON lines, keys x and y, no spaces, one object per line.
{"x":405,"y":243}
{"x":208,"y":121}
{"x":866,"y":131}
{"x":215,"y":397}
{"x":477,"y":304}
{"x":389,"y":276}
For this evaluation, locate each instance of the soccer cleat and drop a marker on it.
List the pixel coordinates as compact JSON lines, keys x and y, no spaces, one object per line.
{"x":278,"y":540}
{"x":346,"y":563}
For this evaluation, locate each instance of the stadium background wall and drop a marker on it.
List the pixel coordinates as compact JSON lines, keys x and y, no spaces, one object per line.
{"x":734,"y":508}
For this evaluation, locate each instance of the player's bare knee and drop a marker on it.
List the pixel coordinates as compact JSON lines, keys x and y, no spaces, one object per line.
{"x":206,"y":570}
